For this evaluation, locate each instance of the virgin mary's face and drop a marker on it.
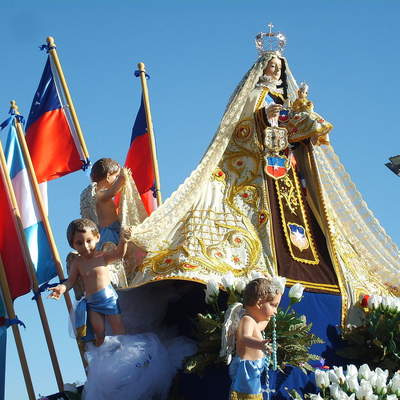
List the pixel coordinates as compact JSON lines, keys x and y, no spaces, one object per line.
{"x":273,"y":68}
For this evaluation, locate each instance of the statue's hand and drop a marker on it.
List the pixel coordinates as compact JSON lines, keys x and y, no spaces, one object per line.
{"x":273,"y":111}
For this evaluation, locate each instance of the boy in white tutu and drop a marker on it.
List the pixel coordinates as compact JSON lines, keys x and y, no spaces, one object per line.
{"x":100,"y":299}
{"x":261,"y":299}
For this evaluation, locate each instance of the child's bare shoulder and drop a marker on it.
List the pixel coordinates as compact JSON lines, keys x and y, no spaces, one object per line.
{"x":72,"y":259}
{"x":247,"y":321}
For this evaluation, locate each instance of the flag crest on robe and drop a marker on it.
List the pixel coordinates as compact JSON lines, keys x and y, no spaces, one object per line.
{"x":139,"y":160}
{"x":50,"y":133}
{"x":35,"y":235}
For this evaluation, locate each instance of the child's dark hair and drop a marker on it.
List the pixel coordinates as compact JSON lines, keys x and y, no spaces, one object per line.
{"x":103,"y":167}
{"x":80,"y":225}
{"x":257,"y":289}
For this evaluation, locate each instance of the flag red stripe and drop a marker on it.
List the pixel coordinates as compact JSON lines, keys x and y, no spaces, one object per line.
{"x":52,"y":146}
{"x":10,"y":248}
{"x":140,"y":162}
{"x":149,"y":201}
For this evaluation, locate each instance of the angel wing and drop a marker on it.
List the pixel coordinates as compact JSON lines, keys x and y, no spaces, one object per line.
{"x":88,"y":203}
{"x":116,"y":269}
{"x":231,"y":324}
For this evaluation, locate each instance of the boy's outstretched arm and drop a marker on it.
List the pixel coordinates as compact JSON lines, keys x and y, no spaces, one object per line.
{"x":60,"y":289}
{"x":114,"y":189}
{"x":119,"y":252}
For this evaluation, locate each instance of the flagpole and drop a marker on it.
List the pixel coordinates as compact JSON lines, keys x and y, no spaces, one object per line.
{"x":43,"y":212}
{"x":28,"y":260}
{"x":146,"y":102}
{"x":17,"y":335}
{"x":53,"y":53}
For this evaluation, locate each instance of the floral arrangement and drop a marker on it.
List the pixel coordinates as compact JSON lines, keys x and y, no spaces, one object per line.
{"x":360,"y":384}
{"x":376,"y":340}
{"x":293,"y":333}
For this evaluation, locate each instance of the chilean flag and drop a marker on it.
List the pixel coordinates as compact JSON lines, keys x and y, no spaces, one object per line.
{"x":35,"y":235}
{"x":140,"y":161}
{"x":11,"y":249}
{"x":50,"y":134}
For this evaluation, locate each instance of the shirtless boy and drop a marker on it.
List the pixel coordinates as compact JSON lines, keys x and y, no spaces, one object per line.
{"x":109,"y":179}
{"x":261,"y":299}
{"x":91,"y":265}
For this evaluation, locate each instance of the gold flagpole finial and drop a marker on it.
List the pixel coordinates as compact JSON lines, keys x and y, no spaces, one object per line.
{"x":14,"y":107}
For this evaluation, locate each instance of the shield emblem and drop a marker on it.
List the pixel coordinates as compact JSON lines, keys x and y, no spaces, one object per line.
{"x":284,"y":115}
{"x":276,"y":166}
{"x":298,"y":236}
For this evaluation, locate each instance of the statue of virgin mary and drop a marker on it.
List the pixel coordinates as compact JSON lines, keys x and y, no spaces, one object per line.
{"x":269,"y":197}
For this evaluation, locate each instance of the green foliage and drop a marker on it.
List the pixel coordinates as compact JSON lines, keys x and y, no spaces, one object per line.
{"x":295,"y":339}
{"x":375,"y":342}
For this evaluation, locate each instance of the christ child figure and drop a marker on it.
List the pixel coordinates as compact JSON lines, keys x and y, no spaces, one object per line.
{"x":261,"y":300}
{"x":101,"y":300}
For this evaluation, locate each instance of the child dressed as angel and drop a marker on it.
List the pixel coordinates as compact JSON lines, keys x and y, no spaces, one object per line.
{"x":248,"y":322}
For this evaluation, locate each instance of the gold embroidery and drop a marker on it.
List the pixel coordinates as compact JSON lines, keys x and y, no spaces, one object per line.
{"x":244,"y":396}
{"x":288,"y":192}
{"x":289,"y":189}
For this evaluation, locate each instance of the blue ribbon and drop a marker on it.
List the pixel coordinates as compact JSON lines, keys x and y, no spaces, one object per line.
{"x":8,"y":121}
{"x":5,"y":123}
{"x":7,"y":322}
{"x":85,"y":164}
{"x":44,"y":287}
{"x":138,"y":72}
{"x":154,"y":190}
{"x":46,"y":47}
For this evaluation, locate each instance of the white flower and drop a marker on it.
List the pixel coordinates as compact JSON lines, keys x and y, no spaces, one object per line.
{"x":228,"y":280}
{"x":256,"y":275}
{"x":321,"y":379}
{"x":374,"y":301}
{"x":372,"y":378}
{"x":240,"y":285}
{"x":339,"y":374}
{"x":380,"y":383}
{"x":211,"y":290}
{"x":394,"y":384}
{"x":279,"y":282}
{"x":344,"y":396}
{"x":391,"y":397}
{"x":296,"y":292}
{"x":334,"y":390}
{"x":365,"y":391}
{"x":364,"y":372}
{"x":70,"y":387}
{"x":385,"y":302}
{"x":333,"y":377}
{"x":315,"y":397}
{"x":351,"y":371}
{"x":352,"y":383}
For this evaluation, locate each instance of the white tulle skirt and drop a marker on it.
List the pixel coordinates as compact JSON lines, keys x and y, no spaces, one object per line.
{"x":134,"y":367}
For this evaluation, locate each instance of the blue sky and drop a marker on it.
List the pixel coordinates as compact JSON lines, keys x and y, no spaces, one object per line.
{"x":196,"y":52}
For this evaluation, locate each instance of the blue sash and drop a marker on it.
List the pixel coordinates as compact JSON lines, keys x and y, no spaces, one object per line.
{"x":105,"y":302}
